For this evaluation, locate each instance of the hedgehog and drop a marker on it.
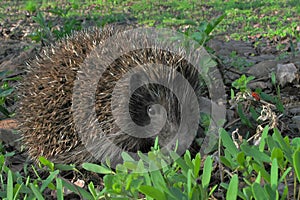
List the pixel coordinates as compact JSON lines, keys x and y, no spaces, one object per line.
{"x":133,"y":100}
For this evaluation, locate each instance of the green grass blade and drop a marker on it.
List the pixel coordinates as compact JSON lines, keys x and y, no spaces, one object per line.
{"x":36,"y":192}
{"x":10,"y":186}
{"x":285,"y":173}
{"x":49,"y":179}
{"x":189,"y":184}
{"x":4,"y":111}
{"x":17,"y":191}
{"x":92,"y":190}
{"x":59,"y":189}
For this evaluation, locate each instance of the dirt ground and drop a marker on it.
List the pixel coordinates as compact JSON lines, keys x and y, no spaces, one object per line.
{"x":16,"y":49}
{"x":263,"y":54}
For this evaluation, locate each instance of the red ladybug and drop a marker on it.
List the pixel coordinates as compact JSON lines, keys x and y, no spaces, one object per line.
{"x":256,"y":96}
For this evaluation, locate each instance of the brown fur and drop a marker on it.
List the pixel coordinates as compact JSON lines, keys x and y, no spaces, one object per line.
{"x":45,"y":111}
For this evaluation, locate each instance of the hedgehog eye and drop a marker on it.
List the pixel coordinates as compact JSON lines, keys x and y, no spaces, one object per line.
{"x":151,"y":110}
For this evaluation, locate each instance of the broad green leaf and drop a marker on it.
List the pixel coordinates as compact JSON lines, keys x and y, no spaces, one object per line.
{"x":258,"y":178}
{"x":108,"y":181}
{"x":243,"y":117}
{"x":271,"y":143}
{"x":296,"y":142}
{"x":260,"y":169}
{"x":187,"y":159}
{"x":284,"y":146}
{"x":121,"y":169}
{"x":143,"y":157}
{"x":47,"y":163}
{"x":165,"y":166}
{"x":241,"y":158}
{"x":267,"y":97}
{"x":140,"y":168}
{"x":77,"y":190}
{"x":157,"y":179}
{"x":130,"y":165}
{"x":255,"y":153}
{"x":296,"y":163}
{"x":240,"y":194}
{"x":96,"y":168}
{"x":127,"y":157}
{"x":215,"y":23}
{"x":271,"y":192}
{"x":274,"y":174}
{"x":7,"y":92}
{"x":197,"y":165}
{"x":263,"y":138}
{"x":128,"y":182}
{"x":254,"y":113}
{"x":226,"y":162}
{"x":228,"y":143}
{"x":207,"y":172}
{"x":247,"y":192}
{"x":117,"y":187}
{"x":92,"y":190}
{"x":152,"y":192}
{"x":178,"y":194}
{"x":258,"y":192}
{"x":224,"y":185}
{"x":180,"y":162}
{"x":147,"y":179}
{"x":278,"y":154}
{"x":232,"y":190}
{"x":64,"y":167}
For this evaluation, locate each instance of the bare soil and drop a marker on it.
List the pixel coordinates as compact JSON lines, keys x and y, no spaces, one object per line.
{"x":16,"y":49}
